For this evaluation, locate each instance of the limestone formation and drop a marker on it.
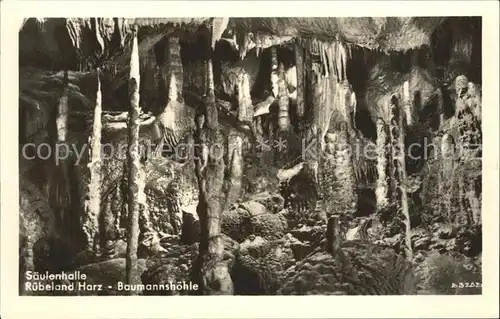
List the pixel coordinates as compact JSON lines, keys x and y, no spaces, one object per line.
{"x":93,"y":199}
{"x":134,"y":167}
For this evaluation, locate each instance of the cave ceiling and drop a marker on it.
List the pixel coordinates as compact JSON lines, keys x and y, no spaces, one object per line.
{"x":68,"y":42}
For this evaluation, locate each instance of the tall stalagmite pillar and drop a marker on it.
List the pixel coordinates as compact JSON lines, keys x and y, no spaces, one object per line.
{"x":344,"y":174}
{"x":314,"y":136}
{"x":382,"y":187}
{"x":60,"y":195}
{"x":274,"y":71}
{"x":407,"y":104}
{"x":235,"y":161}
{"x":470,"y":142}
{"x":283,"y":101}
{"x":245,"y":107}
{"x":446,"y":176}
{"x":211,"y":272}
{"x":399,"y":178}
{"x":299,"y":64}
{"x":93,"y":199}
{"x":327,"y":178}
{"x":133,"y":161}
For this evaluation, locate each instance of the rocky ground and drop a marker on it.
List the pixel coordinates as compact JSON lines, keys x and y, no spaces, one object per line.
{"x":270,"y":253}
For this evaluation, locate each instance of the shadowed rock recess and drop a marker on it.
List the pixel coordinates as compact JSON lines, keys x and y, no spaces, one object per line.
{"x":251,"y":156}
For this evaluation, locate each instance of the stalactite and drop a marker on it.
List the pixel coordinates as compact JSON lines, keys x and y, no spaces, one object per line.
{"x":92,"y":202}
{"x":324,"y":60}
{"x":382,"y":188}
{"x":211,"y":272}
{"x":346,"y":103}
{"x":243,"y":40}
{"x":133,"y":158}
{"x":245,"y":107}
{"x":283,"y":101}
{"x":400,"y":197}
{"x":274,"y":71}
{"x":341,"y":62}
{"x":219,"y":25}
{"x":330,"y":49}
{"x":258,"y":45}
{"x":299,"y":66}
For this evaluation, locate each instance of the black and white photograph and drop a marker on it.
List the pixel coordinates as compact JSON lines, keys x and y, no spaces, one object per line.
{"x":250,"y":156}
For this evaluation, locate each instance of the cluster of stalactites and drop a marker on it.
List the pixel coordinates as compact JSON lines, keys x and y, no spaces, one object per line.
{"x":333,"y":56}
{"x":243,"y":41}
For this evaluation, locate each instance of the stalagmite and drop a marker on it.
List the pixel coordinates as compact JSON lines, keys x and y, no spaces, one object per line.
{"x":475,"y":99}
{"x":470,"y":141}
{"x":354,"y":106}
{"x":399,"y":178}
{"x":447,"y":154}
{"x":446,"y":175}
{"x":344,"y":174}
{"x":210,"y":270}
{"x":173,"y":65}
{"x":150,"y":239}
{"x":440,"y":106}
{"x":469,"y":128}
{"x":245,"y":107}
{"x":133,"y":160}
{"x":327,"y":178}
{"x":316,"y":132}
{"x":62,"y":112}
{"x":274,"y":71}
{"x":235,"y":161}
{"x":283,"y":101}
{"x":299,"y":66}
{"x":407,"y":103}
{"x":60,"y":195}
{"x":382,"y":188}
{"x":93,"y":199}
{"x":333,"y":236}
